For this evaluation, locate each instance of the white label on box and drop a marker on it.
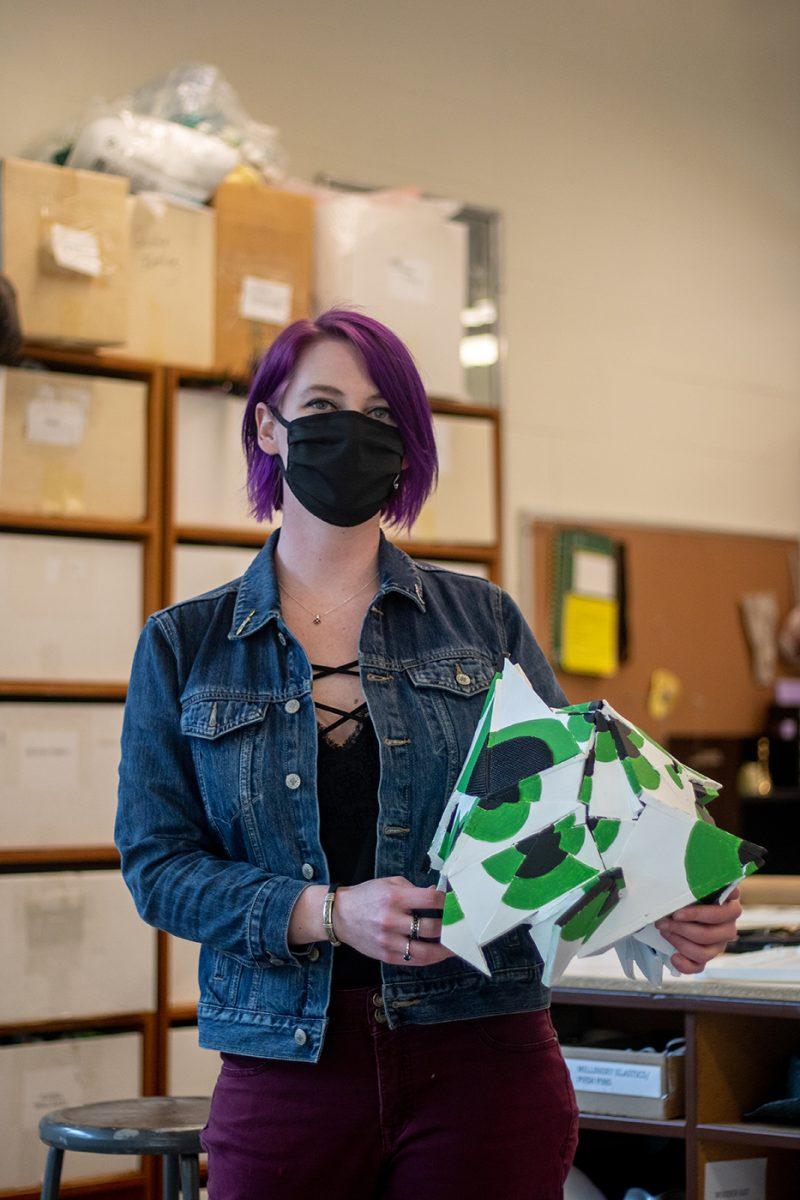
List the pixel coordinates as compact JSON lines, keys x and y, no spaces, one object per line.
{"x":595,"y":574}
{"x":57,"y":416}
{"x":48,"y":760}
{"x":410,"y":279}
{"x":47,"y":1088}
{"x":265,"y":300}
{"x":619,"y":1078}
{"x":736,"y":1179}
{"x":76,"y":250}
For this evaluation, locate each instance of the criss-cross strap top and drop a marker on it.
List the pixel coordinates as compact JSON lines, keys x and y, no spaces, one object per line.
{"x":360,"y":713}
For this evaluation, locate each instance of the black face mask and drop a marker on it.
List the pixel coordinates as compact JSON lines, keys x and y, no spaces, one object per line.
{"x":342,"y":466}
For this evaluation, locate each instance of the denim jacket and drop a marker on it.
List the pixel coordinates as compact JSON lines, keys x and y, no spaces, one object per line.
{"x":217,"y":820}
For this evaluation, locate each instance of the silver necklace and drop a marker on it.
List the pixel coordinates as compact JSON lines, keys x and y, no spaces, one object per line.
{"x":318,"y":616}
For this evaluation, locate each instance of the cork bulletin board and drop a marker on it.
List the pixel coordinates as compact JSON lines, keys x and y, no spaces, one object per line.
{"x":682,"y":589}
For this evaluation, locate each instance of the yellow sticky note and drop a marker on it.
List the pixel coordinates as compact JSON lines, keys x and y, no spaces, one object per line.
{"x":589,"y":635}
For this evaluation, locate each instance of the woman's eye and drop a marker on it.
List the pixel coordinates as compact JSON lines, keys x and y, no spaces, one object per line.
{"x":318,"y":400}
{"x":381,"y":412}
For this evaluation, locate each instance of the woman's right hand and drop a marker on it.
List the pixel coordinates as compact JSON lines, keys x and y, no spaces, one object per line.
{"x":375,"y":918}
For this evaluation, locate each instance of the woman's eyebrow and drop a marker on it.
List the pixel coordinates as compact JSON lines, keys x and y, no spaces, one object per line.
{"x":332,"y":391}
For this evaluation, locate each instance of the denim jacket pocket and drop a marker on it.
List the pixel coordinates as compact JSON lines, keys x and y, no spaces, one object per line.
{"x":222,"y":732}
{"x":450,"y":692}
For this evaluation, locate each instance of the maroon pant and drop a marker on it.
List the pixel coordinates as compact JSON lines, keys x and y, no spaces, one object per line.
{"x":471,"y":1108}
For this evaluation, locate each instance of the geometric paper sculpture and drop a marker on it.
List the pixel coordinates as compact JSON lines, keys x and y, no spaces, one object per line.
{"x":575,"y":823}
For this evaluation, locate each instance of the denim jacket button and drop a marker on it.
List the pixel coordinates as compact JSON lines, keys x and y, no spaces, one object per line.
{"x":292,"y":780}
{"x":313,"y":954}
{"x":307,"y":870}
{"x":463,"y":678}
{"x":300,"y":1036}
{"x":291,"y":706}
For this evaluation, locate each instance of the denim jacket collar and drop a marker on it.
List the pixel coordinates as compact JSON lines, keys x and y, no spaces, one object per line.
{"x":258,"y":598}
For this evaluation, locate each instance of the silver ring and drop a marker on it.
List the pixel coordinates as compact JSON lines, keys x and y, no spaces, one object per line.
{"x":407,"y":955}
{"x":414,"y":927}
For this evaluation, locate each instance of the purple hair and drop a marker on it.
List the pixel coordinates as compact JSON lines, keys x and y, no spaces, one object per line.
{"x":390,"y":366}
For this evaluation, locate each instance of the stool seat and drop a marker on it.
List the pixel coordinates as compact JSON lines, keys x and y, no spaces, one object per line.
{"x":141,"y":1125}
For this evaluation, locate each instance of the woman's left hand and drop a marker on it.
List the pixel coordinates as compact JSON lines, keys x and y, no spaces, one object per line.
{"x":700,"y":932}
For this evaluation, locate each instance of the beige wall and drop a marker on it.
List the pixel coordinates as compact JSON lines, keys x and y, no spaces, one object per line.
{"x":644,"y":154}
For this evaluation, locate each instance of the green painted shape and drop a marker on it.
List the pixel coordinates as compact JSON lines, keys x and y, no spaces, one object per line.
{"x":645,"y":772}
{"x":633,"y":779}
{"x":585,"y":790}
{"x":570,"y":836}
{"x":533,"y":893}
{"x":711,"y":859}
{"x":605,"y":747}
{"x":559,"y":740}
{"x":496,"y":824}
{"x":530,"y":788}
{"x":503,"y":866}
{"x":588,"y":918}
{"x":674,"y":775}
{"x":605,"y":832}
{"x":452,"y":911}
{"x":580,"y":728}
{"x":636,"y":737}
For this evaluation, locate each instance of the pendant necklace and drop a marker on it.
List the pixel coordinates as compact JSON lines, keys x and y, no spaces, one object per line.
{"x":316,"y":615}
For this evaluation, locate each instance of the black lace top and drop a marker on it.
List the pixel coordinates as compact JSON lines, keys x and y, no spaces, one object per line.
{"x":347,"y":787}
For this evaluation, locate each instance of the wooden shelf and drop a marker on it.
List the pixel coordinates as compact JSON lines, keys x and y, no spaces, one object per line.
{"x":609,"y":1124}
{"x":60,"y":856}
{"x":749,"y":1133}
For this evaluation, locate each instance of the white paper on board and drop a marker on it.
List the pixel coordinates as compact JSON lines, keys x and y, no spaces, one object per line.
{"x":48,"y":760}
{"x":57,"y":416}
{"x":736,"y":1179}
{"x":594,"y":574}
{"x":265,"y":300}
{"x":75,"y":249}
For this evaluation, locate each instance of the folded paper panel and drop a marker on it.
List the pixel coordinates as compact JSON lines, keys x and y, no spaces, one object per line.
{"x":58,"y":772}
{"x":72,"y":607}
{"x":74,"y":946}
{"x":72,"y":445}
{"x":39,"y":1076}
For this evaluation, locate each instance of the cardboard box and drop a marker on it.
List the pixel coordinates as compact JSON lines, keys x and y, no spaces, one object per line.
{"x":72,"y":607}
{"x":172,"y":282}
{"x":192,"y":1070}
{"x":184,"y":962}
{"x":58,"y":772}
{"x":404,"y":262}
{"x":73,"y":946}
{"x":198,"y":569}
{"x":65,"y":245}
{"x":627,"y":1083}
{"x":210,"y":466}
{"x":265,"y":239}
{"x":463,"y":508}
{"x":72,"y":445}
{"x":38,"y":1077}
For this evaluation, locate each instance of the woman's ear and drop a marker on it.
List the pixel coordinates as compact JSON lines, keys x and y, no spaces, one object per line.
{"x":266,"y":429}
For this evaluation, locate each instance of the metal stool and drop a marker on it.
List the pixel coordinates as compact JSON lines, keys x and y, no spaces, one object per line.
{"x":168,"y":1125}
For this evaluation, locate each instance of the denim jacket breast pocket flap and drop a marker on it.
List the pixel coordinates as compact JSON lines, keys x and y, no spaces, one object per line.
{"x":463,"y":674}
{"x":211,"y":717}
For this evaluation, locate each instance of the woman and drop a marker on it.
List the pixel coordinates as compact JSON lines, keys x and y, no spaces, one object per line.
{"x":290,"y":740}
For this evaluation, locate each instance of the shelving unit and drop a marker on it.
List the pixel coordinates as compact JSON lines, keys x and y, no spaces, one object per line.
{"x":160,"y":533}
{"x":736,"y":1051}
